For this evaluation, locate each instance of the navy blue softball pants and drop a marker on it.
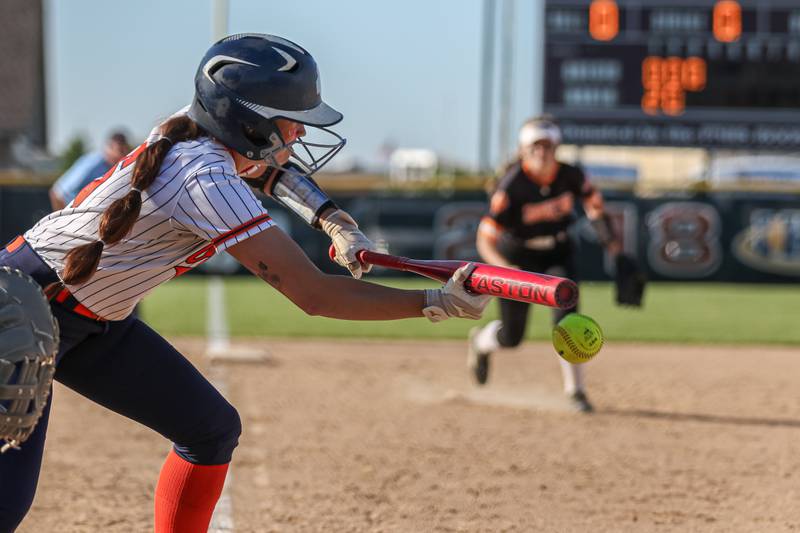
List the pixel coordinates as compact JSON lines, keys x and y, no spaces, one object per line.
{"x":130,"y":369}
{"x":513,"y":314}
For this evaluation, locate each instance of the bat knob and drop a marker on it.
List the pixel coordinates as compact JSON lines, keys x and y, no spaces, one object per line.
{"x":332,"y":252}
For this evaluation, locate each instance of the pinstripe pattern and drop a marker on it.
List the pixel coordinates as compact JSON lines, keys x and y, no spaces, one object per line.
{"x":196,"y":207}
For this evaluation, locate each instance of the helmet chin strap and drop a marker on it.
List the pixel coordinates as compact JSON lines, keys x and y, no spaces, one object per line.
{"x":249,"y":172}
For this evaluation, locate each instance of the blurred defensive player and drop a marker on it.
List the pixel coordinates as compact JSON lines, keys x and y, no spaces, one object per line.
{"x":86,"y":168}
{"x":526,"y":227}
{"x":171,"y":204}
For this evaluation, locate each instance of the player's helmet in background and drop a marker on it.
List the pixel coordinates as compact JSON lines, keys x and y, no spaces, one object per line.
{"x":246,"y":81}
{"x":28,"y":345}
{"x":542,"y":128}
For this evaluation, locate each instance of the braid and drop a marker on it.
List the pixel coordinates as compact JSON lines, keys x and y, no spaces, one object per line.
{"x":119,"y":218}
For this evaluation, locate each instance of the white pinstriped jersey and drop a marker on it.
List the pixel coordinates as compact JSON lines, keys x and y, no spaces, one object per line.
{"x":196,"y":207}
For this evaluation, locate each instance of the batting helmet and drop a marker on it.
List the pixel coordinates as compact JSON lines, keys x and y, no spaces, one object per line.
{"x":28,"y":345}
{"x":246,"y":81}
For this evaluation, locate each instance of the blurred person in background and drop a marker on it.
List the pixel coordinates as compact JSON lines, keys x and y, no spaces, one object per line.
{"x":530,"y":211}
{"x":182,"y":196}
{"x":88,"y":167}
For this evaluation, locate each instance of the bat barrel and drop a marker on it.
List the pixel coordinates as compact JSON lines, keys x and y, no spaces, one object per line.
{"x":523,"y":286}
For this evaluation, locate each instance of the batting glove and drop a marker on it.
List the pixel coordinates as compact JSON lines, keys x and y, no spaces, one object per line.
{"x":347,"y":241}
{"x":453,"y":300}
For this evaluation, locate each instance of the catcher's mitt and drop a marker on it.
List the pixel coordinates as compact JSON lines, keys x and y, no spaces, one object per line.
{"x":28,"y":345}
{"x":630,"y":281}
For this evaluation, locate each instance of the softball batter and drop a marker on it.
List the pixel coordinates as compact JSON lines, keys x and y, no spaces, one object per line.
{"x":174,"y":202}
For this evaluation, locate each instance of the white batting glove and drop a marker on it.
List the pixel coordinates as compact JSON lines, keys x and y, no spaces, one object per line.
{"x":347,"y":240}
{"x":453,"y":300}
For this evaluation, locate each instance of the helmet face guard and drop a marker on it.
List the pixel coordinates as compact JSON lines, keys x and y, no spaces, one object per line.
{"x":28,"y":346}
{"x":246,"y":82}
{"x":310,"y":155}
{"x":315,"y":154}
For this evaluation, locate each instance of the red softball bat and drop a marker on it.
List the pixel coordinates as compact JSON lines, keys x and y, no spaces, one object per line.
{"x":508,"y":283}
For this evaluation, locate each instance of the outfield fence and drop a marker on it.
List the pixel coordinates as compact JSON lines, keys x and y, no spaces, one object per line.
{"x":729,"y":236}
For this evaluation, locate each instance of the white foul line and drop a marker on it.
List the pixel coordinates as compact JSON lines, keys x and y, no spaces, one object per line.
{"x":217,"y":343}
{"x":216,"y":321}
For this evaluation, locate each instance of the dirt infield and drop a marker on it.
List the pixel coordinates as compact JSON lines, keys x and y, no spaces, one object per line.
{"x":391,"y":436}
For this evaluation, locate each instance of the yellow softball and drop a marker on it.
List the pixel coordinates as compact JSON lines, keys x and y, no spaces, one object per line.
{"x":577,"y":338}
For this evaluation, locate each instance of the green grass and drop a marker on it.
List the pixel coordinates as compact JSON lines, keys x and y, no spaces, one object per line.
{"x":673,"y":312}
{"x":177,"y":308}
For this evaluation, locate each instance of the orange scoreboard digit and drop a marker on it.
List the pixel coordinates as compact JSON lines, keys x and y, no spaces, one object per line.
{"x":717,"y":73}
{"x":665,"y":81}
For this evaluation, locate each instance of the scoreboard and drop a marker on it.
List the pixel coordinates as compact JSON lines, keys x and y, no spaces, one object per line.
{"x":695,"y":73}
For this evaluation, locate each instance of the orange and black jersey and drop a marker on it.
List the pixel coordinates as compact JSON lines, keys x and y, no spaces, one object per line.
{"x":523,"y":210}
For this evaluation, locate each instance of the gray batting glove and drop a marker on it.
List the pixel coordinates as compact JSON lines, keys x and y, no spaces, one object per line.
{"x":347,"y":241}
{"x":453,"y":300}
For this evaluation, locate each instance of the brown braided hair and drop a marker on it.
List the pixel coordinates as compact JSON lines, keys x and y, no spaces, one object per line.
{"x":118,"y":219}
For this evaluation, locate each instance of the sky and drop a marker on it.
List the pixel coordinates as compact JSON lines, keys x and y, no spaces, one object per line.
{"x":404,"y":73}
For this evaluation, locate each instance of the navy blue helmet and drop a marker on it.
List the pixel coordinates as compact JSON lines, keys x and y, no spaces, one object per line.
{"x":248,"y":80}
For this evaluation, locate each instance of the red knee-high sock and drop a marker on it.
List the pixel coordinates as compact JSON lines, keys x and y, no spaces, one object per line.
{"x":186,"y":495}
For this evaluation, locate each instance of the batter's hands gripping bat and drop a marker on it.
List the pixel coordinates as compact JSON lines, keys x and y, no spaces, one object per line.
{"x":502,"y":282}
